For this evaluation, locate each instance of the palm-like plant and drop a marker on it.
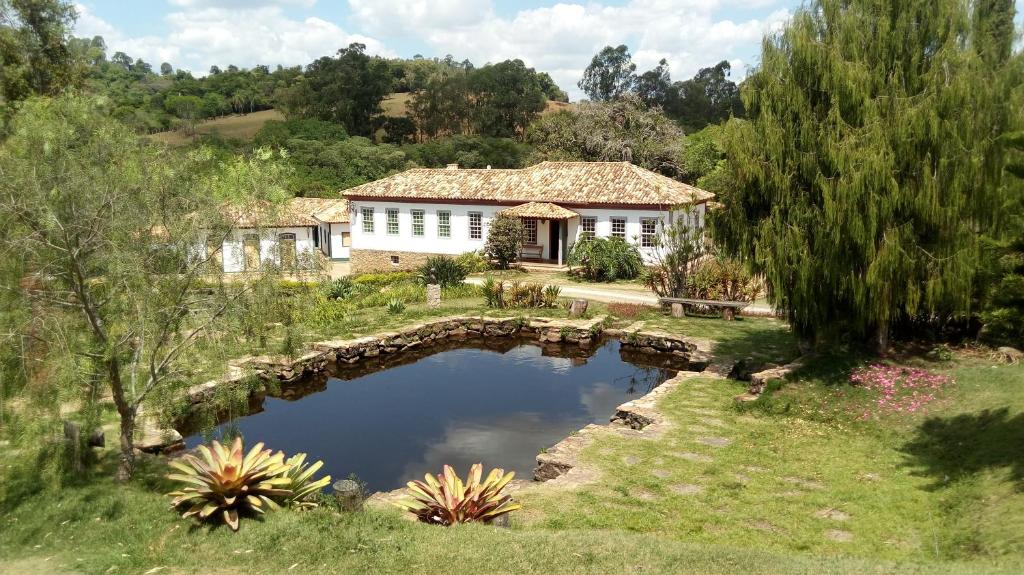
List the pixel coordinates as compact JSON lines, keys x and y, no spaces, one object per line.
{"x":302,"y":485}
{"x":446,"y":500}
{"x":224,"y":482}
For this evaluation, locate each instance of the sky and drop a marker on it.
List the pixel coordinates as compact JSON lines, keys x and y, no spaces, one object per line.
{"x":555,"y":37}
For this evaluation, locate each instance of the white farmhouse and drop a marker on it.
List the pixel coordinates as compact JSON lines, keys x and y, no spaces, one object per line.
{"x":398,"y":221}
{"x":283,"y":237}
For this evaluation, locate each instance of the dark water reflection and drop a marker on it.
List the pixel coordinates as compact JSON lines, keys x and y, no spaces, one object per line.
{"x":497,"y":402}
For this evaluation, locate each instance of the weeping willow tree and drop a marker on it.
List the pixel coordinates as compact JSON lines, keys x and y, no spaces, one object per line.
{"x":870,"y":162}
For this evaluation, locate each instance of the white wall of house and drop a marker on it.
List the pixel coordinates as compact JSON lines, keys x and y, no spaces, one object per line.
{"x":233,"y":254}
{"x":336,"y":233}
{"x":460,"y":242}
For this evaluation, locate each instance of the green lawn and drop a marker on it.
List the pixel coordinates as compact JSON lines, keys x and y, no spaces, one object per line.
{"x":791,"y":484}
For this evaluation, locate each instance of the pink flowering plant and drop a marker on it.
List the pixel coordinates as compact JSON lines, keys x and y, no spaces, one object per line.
{"x":898,"y":390}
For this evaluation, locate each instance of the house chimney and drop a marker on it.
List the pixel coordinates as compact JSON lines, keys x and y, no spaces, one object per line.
{"x":453,"y":166}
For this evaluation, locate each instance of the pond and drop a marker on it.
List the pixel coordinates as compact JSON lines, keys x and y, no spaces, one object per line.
{"x":498,"y":401}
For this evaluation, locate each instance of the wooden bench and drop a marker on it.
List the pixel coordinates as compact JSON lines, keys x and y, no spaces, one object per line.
{"x":729,"y":308}
{"x":530,"y":251}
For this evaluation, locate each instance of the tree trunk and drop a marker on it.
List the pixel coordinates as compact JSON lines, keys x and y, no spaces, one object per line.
{"x":126,"y":466}
{"x":882,"y":338}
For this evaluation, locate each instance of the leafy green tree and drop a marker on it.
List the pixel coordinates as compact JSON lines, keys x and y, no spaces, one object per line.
{"x":107,"y":228}
{"x":654,"y":87}
{"x":625,"y":129}
{"x":166,"y":69}
{"x":860,"y":183}
{"x":35,"y":53}
{"x":506,"y":97}
{"x":188,"y":108}
{"x":610,"y":75}
{"x":470,"y":152}
{"x":443,"y":107}
{"x":346,"y":89}
{"x":504,"y":237}
{"x":551,"y":89}
{"x":707,"y":98}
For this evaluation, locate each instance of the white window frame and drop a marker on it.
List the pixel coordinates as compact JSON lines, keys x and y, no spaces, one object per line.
{"x":530,"y":231}
{"x":620,"y":220}
{"x":444,"y":224}
{"x":368,"y":223}
{"x":419,"y":228}
{"x":586,"y":234}
{"x":390,"y":213}
{"x":476,"y":232}
{"x":648,"y":239}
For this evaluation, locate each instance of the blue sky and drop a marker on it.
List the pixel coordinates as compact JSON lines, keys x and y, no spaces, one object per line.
{"x":556,"y":37}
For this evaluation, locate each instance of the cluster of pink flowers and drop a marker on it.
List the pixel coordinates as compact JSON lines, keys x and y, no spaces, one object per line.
{"x":899,"y":389}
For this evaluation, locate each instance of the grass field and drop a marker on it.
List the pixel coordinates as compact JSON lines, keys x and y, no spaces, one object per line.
{"x":793,"y":483}
{"x":234,"y":127}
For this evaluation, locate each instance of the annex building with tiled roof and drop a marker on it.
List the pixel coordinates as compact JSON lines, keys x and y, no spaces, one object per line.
{"x":399,"y":221}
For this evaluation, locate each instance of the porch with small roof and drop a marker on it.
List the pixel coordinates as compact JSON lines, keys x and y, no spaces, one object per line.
{"x":557,"y":218}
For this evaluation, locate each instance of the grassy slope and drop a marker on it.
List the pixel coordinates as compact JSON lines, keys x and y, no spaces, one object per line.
{"x":235,"y":127}
{"x":757,"y":512}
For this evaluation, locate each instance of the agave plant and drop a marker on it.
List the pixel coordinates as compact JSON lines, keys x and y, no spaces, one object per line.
{"x":302,"y":485}
{"x":446,"y":500}
{"x":223,"y":482}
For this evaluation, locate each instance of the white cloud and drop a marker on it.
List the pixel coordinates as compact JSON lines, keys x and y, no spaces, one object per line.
{"x":561,"y":39}
{"x":210,"y":33}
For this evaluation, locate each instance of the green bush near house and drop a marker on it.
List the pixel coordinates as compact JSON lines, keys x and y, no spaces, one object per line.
{"x":606,"y":259}
{"x":380,"y":280}
{"x":474,"y":262}
{"x":442,"y":270}
{"x":504,"y":237}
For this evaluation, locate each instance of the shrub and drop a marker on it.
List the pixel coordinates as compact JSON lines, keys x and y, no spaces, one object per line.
{"x":446,"y":500}
{"x":442,"y":270}
{"x":606,"y":259}
{"x":551,"y":294}
{"x":396,"y":306}
{"x":473,"y":262}
{"x":383,"y":279}
{"x":504,"y":237}
{"x":303,"y":487}
{"x":223,"y":484}
{"x":721,"y":278}
{"x":518,"y":295}
{"x":459,"y":291}
{"x":341,"y":288}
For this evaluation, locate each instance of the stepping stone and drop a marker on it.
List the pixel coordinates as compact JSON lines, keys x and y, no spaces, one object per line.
{"x":714,"y":441}
{"x":631,"y":460}
{"x":661,"y":473}
{"x":753,"y":468}
{"x":839,"y":535}
{"x":833,"y":514}
{"x":869,"y":477}
{"x":698,"y":428}
{"x":790,"y":493}
{"x":741,"y":478}
{"x":686,"y":489}
{"x":695,"y":457}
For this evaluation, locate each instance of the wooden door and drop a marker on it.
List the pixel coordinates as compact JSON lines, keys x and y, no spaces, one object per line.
{"x":286,"y":242}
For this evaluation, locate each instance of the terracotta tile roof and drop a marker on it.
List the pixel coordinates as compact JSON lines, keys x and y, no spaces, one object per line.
{"x":542,"y":210}
{"x":572,"y":183}
{"x":296,"y":212}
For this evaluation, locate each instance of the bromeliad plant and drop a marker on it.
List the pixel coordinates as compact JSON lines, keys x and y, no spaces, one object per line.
{"x":224,"y":484}
{"x":446,"y":500}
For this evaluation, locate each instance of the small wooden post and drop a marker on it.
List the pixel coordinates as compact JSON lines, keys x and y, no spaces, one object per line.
{"x":677,"y":310}
{"x":349,"y":495}
{"x":728,"y":313}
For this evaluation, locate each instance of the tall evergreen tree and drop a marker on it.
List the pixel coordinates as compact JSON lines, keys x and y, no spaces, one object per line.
{"x":610,"y":75}
{"x":868,"y":166}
